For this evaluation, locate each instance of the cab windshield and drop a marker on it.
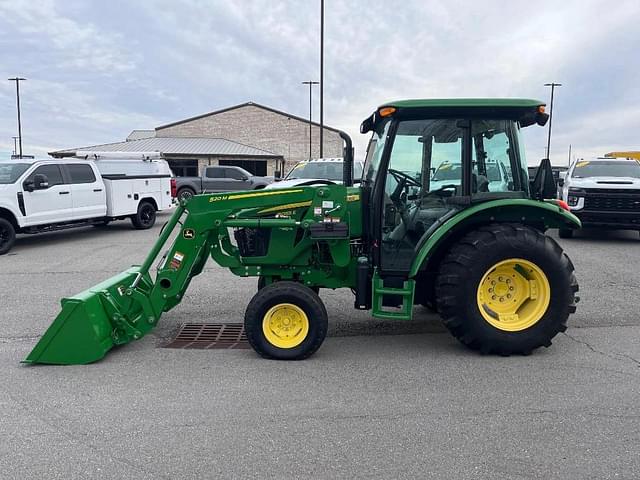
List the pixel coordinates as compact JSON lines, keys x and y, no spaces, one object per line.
{"x":613,"y":168}
{"x":10,"y":172}
{"x":497,"y":157}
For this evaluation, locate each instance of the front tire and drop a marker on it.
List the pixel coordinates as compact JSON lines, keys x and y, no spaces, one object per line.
{"x":145,"y":217}
{"x":7,"y":236}
{"x":286,"y":321}
{"x":506,"y":289}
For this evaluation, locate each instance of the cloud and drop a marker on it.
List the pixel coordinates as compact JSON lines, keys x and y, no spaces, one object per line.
{"x":100,"y":69}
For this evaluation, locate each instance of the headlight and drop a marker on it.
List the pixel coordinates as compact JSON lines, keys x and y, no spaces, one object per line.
{"x":576,"y":191}
{"x":572,"y":200}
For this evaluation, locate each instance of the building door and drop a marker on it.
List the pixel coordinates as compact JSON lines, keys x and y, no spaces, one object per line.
{"x":255,"y":167}
{"x":183,"y":167}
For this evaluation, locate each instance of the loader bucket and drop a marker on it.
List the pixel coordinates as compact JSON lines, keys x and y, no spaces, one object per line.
{"x":91,"y":323}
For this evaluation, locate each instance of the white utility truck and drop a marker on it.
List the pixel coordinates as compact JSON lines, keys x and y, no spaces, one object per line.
{"x":94,"y":188}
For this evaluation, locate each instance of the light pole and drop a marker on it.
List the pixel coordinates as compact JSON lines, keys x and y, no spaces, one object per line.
{"x":311,"y":84}
{"x":553,"y":86}
{"x":321,"y":76}
{"x":18,"y":80}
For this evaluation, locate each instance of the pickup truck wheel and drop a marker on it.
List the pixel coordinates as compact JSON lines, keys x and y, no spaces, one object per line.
{"x":286,"y":321}
{"x":7,"y":236}
{"x":185,"y":194}
{"x":146,"y":216}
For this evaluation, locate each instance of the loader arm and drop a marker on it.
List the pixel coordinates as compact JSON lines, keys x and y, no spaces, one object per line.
{"x":297,"y":234}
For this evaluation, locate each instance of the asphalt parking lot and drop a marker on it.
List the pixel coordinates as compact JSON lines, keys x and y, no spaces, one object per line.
{"x":379,"y":400}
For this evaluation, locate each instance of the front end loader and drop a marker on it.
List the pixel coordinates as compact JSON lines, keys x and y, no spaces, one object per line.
{"x":443,"y":217}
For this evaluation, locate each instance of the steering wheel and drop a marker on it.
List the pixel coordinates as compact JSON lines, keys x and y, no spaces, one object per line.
{"x":402,"y":177}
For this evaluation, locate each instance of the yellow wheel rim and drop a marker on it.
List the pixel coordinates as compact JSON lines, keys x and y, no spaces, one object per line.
{"x":285,"y":325}
{"x":513,"y":295}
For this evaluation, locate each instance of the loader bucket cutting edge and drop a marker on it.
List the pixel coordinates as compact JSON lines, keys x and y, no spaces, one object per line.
{"x":82,"y":332}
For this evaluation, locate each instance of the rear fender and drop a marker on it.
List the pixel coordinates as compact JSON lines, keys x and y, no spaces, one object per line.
{"x":540,"y":215}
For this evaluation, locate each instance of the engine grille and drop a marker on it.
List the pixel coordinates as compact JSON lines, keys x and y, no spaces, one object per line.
{"x":612,"y":200}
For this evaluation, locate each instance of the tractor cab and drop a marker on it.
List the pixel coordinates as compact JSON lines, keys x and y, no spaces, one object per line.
{"x":429,"y":159}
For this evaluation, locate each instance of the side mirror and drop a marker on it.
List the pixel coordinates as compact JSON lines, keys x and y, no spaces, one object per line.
{"x":277,"y":175}
{"x":244,"y":179}
{"x":40,"y":182}
{"x":561,"y":182}
{"x":544,"y":186}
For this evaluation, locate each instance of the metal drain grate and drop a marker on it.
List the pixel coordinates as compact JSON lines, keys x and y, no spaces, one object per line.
{"x":210,"y":335}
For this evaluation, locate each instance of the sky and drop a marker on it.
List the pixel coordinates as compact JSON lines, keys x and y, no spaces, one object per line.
{"x":97,"y":70}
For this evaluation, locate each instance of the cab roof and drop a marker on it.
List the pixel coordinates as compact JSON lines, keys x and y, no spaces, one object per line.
{"x":526,"y":111}
{"x":465,"y":103}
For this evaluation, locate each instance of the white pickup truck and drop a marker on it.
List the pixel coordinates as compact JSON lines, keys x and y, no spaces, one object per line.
{"x":603,"y":193}
{"x":45,"y":195}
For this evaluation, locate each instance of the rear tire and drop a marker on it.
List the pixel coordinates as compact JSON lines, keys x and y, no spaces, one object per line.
{"x":498,"y":264}
{"x":565,"y":233}
{"x":286,"y":321}
{"x":145,"y":218}
{"x":7,"y":236}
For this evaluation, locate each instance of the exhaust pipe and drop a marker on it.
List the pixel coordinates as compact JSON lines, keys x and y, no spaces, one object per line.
{"x":347,"y":153}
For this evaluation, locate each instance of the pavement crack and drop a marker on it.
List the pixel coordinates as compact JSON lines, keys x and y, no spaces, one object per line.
{"x":613,"y":356}
{"x":18,"y":338}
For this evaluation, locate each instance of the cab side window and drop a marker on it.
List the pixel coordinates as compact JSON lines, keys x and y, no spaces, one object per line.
{"x":81,"y":174}
{"x":233,"y":174}
{"x":52,"y":172}
{"x":214,"y":172}
{"x":492,"y":157}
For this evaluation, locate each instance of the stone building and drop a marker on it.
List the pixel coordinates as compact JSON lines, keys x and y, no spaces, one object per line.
{"x":258,"y":138}
{"x":261,"y":127}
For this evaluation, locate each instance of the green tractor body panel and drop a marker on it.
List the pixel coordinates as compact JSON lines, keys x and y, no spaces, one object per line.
{"x":543,"y":215}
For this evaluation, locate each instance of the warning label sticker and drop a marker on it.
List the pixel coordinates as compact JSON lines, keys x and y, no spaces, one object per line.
{"x":176,"y":261}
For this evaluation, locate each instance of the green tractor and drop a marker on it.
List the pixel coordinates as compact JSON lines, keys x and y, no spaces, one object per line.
{"x":465,"y":241}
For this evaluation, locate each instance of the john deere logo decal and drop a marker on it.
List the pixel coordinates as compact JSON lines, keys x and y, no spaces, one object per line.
{"x":188,"y":233}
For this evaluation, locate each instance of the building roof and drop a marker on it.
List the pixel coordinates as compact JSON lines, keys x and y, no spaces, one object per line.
{"x":175,"y":146}
{"x":466,"y":102}
{"x":140,"y":134}
{"x":242,"y":105}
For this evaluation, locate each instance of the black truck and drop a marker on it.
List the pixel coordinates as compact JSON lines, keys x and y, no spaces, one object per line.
{"x":219,"y":179}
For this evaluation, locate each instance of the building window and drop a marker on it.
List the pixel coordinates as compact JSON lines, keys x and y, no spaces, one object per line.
{"x":183,"y":167}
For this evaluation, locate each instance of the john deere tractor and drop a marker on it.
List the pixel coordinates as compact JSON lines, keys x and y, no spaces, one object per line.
{"x":443,"y":216}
